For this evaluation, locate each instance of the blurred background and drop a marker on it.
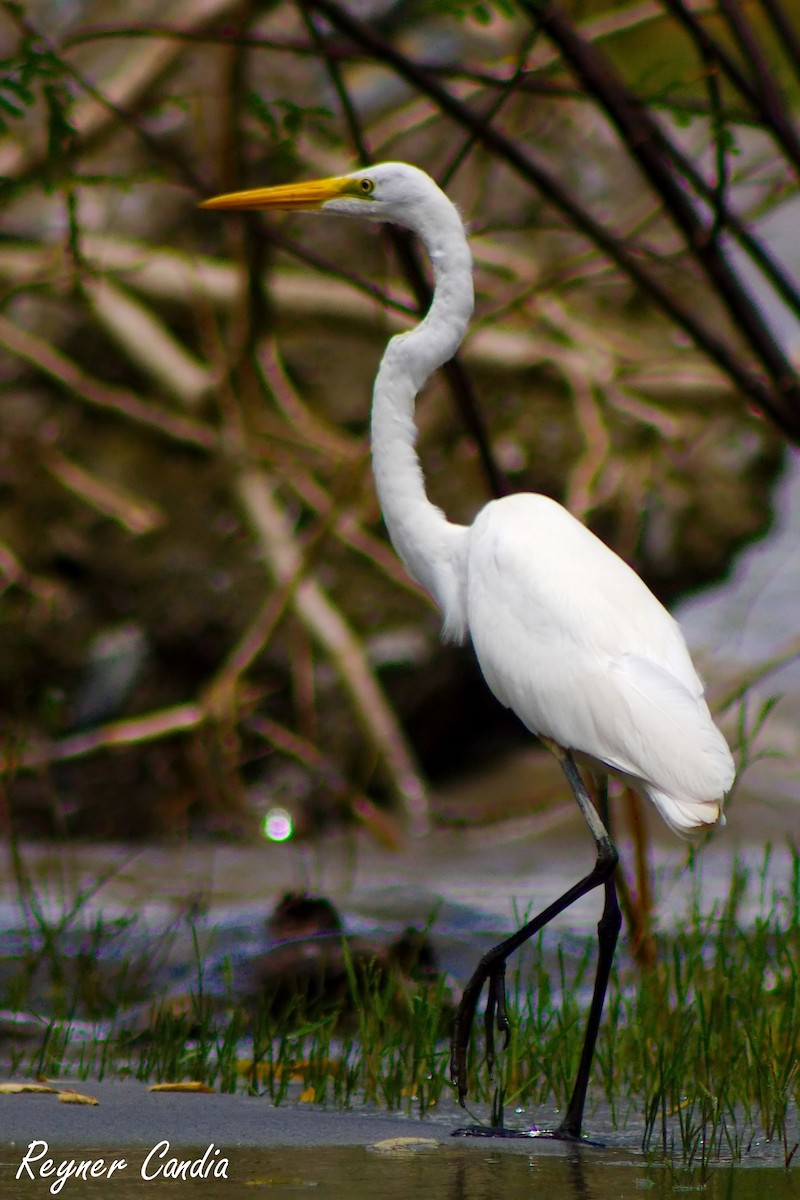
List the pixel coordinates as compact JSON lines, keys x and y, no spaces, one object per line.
{"x":205,"y":632}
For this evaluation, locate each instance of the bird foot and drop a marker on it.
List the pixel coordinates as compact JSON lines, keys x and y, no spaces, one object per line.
{"x":559,"y":1134}
{"x":492,"y":1131}
{"x":496,"y":1016}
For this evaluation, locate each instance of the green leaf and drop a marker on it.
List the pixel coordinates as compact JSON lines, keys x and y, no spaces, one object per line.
{"x":259,"y":108}
{"x":20,"y":76}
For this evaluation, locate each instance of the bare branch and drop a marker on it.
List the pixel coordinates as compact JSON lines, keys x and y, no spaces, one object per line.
{"x":136,"y":515}
{"x":44,"y":357}
{"x":763,"y":101}
{"x":636,"y":128}
{"x":787,"y":35}
{"x":150,"y":727}
{"x":626,"y":258}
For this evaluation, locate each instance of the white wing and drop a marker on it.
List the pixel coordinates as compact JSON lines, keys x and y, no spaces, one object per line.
{"x":569,"y":637}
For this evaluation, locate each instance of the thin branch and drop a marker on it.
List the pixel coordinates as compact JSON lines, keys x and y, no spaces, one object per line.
{"x":510,"y":87}
{"x":14,"y":574}
{"x":530,"y":82}
{"x":148,"y":341}
{"x":136,"y":515}
{"x":221,"y":688}
{"x":717,"y":195}
{"x":315,"y":430}
{"x":523,"y":164}
{"x":363,"y":152}
{"x":130,"y":732}
{"x":786,"y":35}
{"x":725,"y":217}
{"x":773,"y":116}
{"x":773,"y":106}
{"x":637,"y":130}
{"x":327,"y":266}
{"x":98,"y":108}
{"x":44,"y":357}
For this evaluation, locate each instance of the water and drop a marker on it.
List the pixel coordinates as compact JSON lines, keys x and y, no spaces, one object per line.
{"x":441,"y":1172}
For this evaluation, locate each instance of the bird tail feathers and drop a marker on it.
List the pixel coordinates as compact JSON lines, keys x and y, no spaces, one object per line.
{"x":686,"y":817}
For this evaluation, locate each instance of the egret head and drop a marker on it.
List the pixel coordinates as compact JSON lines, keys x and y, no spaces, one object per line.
{"x":391,"y":191}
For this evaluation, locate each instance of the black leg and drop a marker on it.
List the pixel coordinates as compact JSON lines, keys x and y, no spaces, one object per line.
{"x":491,"y":968}
{"x":607,"y":934}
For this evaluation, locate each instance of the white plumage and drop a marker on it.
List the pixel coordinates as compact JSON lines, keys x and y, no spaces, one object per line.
{"x":569,"y":637}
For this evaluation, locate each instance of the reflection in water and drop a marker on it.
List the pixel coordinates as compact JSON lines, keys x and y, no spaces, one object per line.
{"x":571,"y":1160}
{"x":443,"y":1173}
{"x":577,"y":1178}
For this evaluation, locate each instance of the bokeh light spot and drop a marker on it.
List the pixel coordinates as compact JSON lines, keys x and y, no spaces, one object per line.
{"x":278,"y":825}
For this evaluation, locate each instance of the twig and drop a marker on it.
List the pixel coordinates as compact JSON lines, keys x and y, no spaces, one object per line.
{"x":522,"y":163}
{"x":219,"y":692}
{"x":635,"y":16}
{"x":148,"y":341}
{"x":725,"y":217}
{"x":764,"y":102}
{"x":787,"y":36}
{"x":751,"y":53}
{"x":510,"y":87}
{"x":12,"y":572}
{"x":44,"y":357}
{"x":635,"y":127}
{"x":773,"y":107}
{"x":134,"y":514}
{"x":344,"y":524}
{"x":327,"y":266}
{"x":718,"y":194}
{"x":130,"y":732}
{"x":128,"y":84}
{"x":322,"y":435}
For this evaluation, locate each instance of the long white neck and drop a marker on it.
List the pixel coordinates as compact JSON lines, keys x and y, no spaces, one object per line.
{"x":432,"y":548}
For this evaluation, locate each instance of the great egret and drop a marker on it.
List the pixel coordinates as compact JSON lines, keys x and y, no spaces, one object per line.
{"x":566,"y":634}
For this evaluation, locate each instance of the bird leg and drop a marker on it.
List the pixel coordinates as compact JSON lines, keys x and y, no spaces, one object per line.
{"x":491,"y":970}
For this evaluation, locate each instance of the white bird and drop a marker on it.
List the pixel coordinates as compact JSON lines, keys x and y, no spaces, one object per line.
{"x":566,"y":634}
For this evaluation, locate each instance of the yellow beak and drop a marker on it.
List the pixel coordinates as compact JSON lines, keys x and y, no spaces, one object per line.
{"x":312,"y":194}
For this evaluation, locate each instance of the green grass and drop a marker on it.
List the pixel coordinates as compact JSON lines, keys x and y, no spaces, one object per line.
{"x":700,"y":1055}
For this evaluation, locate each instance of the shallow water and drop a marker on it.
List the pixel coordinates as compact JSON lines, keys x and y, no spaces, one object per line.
{"x":436,"y":1173}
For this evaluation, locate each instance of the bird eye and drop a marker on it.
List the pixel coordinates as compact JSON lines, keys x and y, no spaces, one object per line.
{"x":367,"y":186}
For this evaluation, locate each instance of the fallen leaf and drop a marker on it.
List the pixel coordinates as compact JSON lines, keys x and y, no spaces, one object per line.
{"x":404,"y":1145}
{"x":13,"y":1089}
{"x":308,"y":1096}
{"x":190,"y":1085}
{"x":76,"y":1098}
